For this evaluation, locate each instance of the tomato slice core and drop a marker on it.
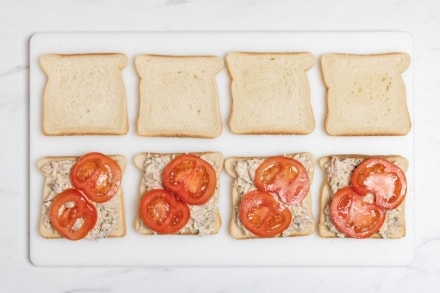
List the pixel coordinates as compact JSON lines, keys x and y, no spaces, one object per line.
{"x":72,"y":215}
{"x":353,"y":216}
{"x":383,"y":179}
{"x":262,"y":214}
{"x":97,"y":175}
{"x":191,"y":178}
{"x":284,"y":176}
{"x":163,"y":212}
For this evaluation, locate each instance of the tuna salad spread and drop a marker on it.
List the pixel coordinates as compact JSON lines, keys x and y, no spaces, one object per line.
{"x":338,"y":171}
{"x":203,"y":218}
{"x":245,"y":169}
{"x":57,"y":179}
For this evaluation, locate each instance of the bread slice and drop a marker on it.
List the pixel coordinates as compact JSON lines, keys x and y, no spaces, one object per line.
{"x":270,"y":93}
{"x":84,"y":94}
{"x":204,"y":219}
{"x":366,"y":94}
{"x":242,"y":170}
{"x":341,"y":167}
{"x":111,"y":214}
{"x":178,"y":96}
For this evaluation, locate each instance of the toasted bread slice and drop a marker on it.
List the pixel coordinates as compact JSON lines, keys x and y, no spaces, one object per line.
{"x":84,"y":94}
{"x":204,"y":219}
{"x":178,"y":96}
{"x":341,"y":167}
{"x":242,"y":170}
{"x":270,"y":93}
{"x":366,"y":94}
{"x":111,"y":214}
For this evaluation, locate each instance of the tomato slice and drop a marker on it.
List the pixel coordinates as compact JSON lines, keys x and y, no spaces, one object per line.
{"x":163,"y":212}
{"x":97,"y":175}
{"x":262,"y":214}
{"x":286,"y":177}
{"x":72,"y":215}
{"x":190,"y":178}
{"x":382,"y":178}
{"x":353,"y":216}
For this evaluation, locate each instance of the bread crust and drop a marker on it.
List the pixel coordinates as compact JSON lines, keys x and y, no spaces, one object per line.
{"x":84,"y":94}
{"x":326,"y":229}
{"x":212,"y":208}
{"x":178,"y":96}
{"x":366,"y":94}
{"x":60,"y":178}
{"x":270,"y":92}
{"x":237,"y":230}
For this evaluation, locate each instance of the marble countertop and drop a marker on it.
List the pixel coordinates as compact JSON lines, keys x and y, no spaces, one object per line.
{"x":19,"y":20}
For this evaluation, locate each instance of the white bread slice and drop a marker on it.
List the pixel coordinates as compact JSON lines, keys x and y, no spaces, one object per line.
{"x":394,"y":226}
{"x":270,"y":93}
{"x":204,"y":219}
{"x":111,"y":215}
{"x":302,"y":223}
{"x":84,"y":94}
{"x":366,"y":94}
{"x":178,"y":96}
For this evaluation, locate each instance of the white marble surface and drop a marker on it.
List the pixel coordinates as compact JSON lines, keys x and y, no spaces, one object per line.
{"x":20,"y":19}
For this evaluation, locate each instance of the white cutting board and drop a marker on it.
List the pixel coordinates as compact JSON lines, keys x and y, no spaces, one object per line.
{"x":220,"y":249}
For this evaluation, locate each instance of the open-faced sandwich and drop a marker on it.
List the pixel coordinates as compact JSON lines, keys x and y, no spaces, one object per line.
{"x":82,"y":197}
{"x":179,"y":193}
{"x":363,"y":196}
{"x":271,"y":196}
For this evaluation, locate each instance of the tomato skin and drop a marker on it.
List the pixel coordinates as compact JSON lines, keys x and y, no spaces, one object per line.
{"x":354,"y":217}
{"x":382,"y":178}
{"x":161,"y":211}
{"x":284,"y":176}
{"x":191,"y":178}
{"x":97,"y":176}
{"x":262,"y":214}
{"x":75,"y":206}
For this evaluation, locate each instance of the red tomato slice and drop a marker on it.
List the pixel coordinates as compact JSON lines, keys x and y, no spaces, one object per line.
{"x":72,"y":215}
{"x":190,"y":178}
{"x":163,"y":212}
{"x":285,"y":176}
{"x":353,"y":216}
{"x":97,"y":175}
{"x":262,"y":214}
{"x":382,"y":178}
